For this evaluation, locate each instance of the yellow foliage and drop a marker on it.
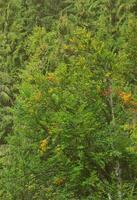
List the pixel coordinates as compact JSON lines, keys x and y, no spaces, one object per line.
{"x":66,"y":46}
{"x":50,"y":90}
{"x":132,"y":149}
{"x":127,"y":127}
{"x":58,"y":181}
{"x":51,"y":77}
{"x":81,"y":47}
{"x":58,"y":149}
{"x":43,"y":146}
{"x":49,"y":189}
{"x":31,"y":187}
{"x":108,"y":74}
{"x":73,"y":40}
{"x":38,"y":96}
{"x":126,"y":97}
{"x":43,"y":47}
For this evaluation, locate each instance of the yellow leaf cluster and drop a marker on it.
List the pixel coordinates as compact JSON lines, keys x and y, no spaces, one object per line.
{"x":66,"y":46}
{"x":51,"y":77}
{"x":73,"y":40}
{"x":58,"y":181}
{"x":58,"y":149}
{"x":43,"y":47}
{"x":127,"y":127}
{"x":50,"y":91}
{"x":132,"y":149}
{"x":49,"y":189}
{"x":126,"y":97}
{"x":108,"y":74}
{"x":43,"y":146}
{"x":38,"y":96}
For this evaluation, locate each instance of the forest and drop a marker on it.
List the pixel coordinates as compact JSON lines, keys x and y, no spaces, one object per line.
{"x":68,"y":99}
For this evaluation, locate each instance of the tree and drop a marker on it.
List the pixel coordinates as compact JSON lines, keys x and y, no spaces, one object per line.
{"x":75,"y":112}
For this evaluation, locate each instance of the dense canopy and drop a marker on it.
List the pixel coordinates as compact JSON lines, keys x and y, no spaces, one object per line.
{"x":68,"y":100}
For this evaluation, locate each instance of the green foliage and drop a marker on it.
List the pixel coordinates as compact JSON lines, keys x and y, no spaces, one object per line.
{"x":68,"y":100}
